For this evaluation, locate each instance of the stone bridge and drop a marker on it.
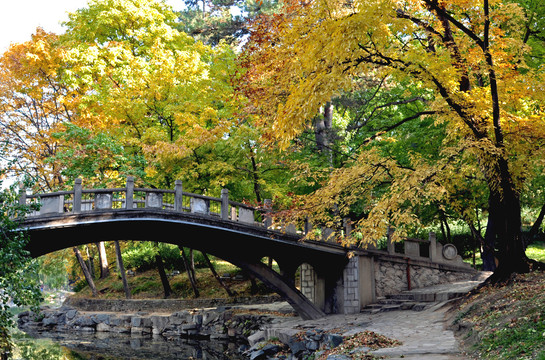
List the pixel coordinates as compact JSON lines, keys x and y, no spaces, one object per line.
{"x":235,"y":232}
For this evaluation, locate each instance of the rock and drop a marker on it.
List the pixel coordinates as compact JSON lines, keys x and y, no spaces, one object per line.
{"x":50,"y":321}
{"x":187,"y":327}
{"x":102,"y":327}
{"x":312,"y":345}
{"x":101,"y":318}
{"x":136,"y":321}
{"x":71,"y":314}
{"x":159,"y":324}
{"x":296,"y":347}
{"x":334,"y":340}
{"x":256,"y":338}
{"x":338,"y":357}
{"x":271,"y":349}
{"x":198,"y":319}
{"x":219,"y":337}
{"x":84,"y":321}
{"x":256,"y":355}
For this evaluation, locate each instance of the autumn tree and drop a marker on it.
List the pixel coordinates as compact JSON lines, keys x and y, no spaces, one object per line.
{"x":469,"y":57}
{"x":34,"y":103}
{"x":152,"y":88}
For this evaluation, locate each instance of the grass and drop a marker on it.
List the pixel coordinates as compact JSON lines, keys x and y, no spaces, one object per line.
{"x":536,"y":251}
{"x":506,"y":322}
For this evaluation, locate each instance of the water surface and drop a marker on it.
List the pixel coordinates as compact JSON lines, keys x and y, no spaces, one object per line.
{"x":108,"y":346}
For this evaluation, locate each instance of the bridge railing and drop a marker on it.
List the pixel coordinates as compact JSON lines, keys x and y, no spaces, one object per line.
{"x":81,"y":200}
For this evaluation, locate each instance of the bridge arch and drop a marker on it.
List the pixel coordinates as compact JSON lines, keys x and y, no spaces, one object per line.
{"x":241,"y":244}
{"x":229,"y":230}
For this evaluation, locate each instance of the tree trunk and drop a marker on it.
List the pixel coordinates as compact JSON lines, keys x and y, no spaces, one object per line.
{"x":322,"y":127}
{"x":103,"y":259}
{"x":162,"y":274}
{"x":191,"y":279}
{"x":255,"y":175}
{"x":86,"y":272}
{"x":192,"y":262}
{"x":218,"y":278}
{"x":121,"y":268}
{"x":90,"y":262}
{"x":505,"y":227}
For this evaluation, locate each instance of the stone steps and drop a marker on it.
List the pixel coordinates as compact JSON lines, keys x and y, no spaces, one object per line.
{"x":420,"y":299}
{"x":392,"y":304}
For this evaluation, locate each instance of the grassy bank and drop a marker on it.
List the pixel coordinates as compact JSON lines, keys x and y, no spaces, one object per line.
{"x":507,"y":321}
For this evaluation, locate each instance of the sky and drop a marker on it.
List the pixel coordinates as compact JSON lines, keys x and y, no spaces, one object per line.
{"x":20,"y":18}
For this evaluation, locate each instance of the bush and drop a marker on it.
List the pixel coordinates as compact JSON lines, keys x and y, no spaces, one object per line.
{"x":141,"y":256}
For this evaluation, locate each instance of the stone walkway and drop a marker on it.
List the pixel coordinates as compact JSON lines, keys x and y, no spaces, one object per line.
{"x":424,"y":334}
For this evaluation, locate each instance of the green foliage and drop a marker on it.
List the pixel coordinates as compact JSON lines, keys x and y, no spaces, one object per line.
{"x":141,"y":256}
{"x":19,"y":282}
{"x":222,"y":20}
{"x":53,"y":274}
{"x":97,"y":157}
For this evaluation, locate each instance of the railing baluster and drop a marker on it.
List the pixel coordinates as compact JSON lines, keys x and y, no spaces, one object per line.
{"x":268,"y":209}
{"x":224,"y":204}
{"x":76,"y":205}
{"x":178,"y":196}
{"x":22,"y":194}
{"x":129,"y":195}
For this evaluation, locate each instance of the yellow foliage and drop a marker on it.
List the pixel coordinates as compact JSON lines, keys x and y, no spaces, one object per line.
{"x":472,"y":63}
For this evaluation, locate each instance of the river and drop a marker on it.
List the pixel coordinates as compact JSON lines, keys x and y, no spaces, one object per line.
{"x":96,"y":346}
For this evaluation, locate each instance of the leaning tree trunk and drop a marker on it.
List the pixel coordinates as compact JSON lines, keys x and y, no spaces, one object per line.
{"x":90,"y":262}
{"x":215,"y":273}
{"x":121,"y":268}
{"x":189,"y":275}
{"x":162,"y":274}
{"x":86,"y":272}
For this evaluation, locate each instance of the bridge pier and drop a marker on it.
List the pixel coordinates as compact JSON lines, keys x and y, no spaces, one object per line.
{"x":342,"y":293}
{"x":373,"y":273}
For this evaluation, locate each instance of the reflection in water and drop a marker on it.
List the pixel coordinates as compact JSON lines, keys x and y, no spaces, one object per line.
{"x":101,"y":346}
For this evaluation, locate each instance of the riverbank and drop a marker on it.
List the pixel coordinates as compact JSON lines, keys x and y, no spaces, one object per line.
{"x":222,"y":322}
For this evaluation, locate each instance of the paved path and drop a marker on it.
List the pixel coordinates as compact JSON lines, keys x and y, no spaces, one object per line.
{"x":424,"y":334}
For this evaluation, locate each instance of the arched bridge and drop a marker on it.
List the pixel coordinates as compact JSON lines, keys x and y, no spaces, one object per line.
{"x":229,"y":230}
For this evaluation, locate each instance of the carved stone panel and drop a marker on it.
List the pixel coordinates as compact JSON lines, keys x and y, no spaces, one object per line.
{"x":103,"y":201}
{"x":246,"y":215}
{"x":154,"y":200}
{"x":412,"y":248}
{"x":199,"y":206}
{"x":52,"y":205}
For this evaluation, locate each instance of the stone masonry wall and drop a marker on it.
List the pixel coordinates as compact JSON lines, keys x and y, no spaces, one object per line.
{"x":391,"y":277}
{"x":308,"y":281}
{"x":351,"y":287}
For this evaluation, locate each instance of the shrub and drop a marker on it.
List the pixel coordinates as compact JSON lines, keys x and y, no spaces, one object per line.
{"x":141,"y":256}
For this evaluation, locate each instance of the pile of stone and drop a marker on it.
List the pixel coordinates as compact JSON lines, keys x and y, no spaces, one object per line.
{"x":219,"y":323}
{"x":291,"y":344}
